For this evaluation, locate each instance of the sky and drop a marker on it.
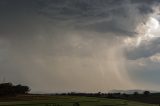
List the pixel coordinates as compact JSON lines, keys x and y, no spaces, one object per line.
{"x":80,"y":45}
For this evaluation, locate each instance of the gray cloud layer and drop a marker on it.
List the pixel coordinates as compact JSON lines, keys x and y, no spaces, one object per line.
{"x":121,"y":17}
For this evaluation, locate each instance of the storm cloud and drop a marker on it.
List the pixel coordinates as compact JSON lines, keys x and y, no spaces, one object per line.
{"x":53,"y":45}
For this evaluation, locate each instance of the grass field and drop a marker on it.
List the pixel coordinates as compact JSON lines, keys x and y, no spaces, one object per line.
{"x":66,"y":101}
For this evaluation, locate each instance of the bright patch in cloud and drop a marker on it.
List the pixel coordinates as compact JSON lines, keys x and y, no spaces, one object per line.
{"x":147,"y":32}
{"x":151,"y":26}
{"x":155,"y":58}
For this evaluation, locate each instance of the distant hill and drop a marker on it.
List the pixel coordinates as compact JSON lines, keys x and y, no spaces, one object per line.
{"x":131,"y":91}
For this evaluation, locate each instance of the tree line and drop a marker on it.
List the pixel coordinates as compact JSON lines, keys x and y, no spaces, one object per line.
{"x":8,"y":89}
{"x":107,"y":95}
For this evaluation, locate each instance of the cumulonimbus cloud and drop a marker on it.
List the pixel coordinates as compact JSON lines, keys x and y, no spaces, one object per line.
{"x":72,"y":45}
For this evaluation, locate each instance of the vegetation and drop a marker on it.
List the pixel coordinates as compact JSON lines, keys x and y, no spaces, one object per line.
{"x":60,"y":100}
{"x":15,"y":95}
{"x":8,"y":89}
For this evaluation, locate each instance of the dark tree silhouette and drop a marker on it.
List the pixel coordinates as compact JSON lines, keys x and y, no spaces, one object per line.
{"x":19,"y":89}
{"x":135,"y":93}
{"x":146,"y":93}
{"x":8,"y":89}
{"x":76,"y":104}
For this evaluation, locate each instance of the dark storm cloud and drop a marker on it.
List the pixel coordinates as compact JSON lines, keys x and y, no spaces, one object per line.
{"x":93,"y":15}
{"x":144,"y":6}
{"x":145,"y":9}
{"x":145,"y":50}
{"x":145,"y":1}
{"x":101,"y":16}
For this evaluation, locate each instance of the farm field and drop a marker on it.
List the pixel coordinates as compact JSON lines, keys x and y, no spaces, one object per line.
{"x":35,"y":100}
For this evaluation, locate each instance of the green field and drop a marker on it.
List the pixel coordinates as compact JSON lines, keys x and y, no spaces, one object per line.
{"x":68,"y":101}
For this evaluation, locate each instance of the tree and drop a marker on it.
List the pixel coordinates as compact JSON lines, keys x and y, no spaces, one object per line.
{"x":76,"y":104}
{"x":146,"y":93}
{"x":8,"y":89}
{"x":19,"y":89}
{"x":135,"y":93}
